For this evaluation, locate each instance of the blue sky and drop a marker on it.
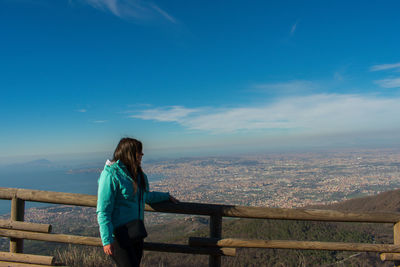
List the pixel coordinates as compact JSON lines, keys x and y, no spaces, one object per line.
{"x":197,"y":76}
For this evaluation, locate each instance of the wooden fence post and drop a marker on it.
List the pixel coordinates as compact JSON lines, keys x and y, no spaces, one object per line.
{"x":17,"y":214}
{"x":396,"y":238}
{"x":216,"y":232}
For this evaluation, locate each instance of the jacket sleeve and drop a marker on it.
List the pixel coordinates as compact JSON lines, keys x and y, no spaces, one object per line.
{"x":155,"y":197}
{"x":152,"y":196}
{"x":105,"y":206}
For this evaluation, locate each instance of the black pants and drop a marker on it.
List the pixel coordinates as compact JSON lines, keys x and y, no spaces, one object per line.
{"x":128,"y":254}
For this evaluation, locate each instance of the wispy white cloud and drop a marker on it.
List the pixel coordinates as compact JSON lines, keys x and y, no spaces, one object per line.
{"x":165,"y":114}
{"x":132,"y":9}
{"x":314,"y":114}
{"x":81,"y":110}
{"x":385,"y":67}
{"x":100,"y":121}
{"x":389,"y":83}
{"x":164,"y":14}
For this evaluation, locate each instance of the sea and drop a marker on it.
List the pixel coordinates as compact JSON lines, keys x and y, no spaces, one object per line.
{"x":43,"y":175}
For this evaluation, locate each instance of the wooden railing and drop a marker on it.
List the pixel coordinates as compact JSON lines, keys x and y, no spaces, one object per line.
{"x":214,"y":246}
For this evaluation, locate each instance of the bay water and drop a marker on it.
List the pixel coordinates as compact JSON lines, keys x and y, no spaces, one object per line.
{"x":50,"y":179}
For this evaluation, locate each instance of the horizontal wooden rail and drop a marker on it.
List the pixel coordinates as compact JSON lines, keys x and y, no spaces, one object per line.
{"x":48,"y":197}
{"x":26,"y":258}
{"x":19,"y":264}
{"x":95,"y":241}
{"x":275,"y":213}
{"x":177,"y":248}
{"x":60,"y":238}
{"x":288,"y":244}
{"x":390,"y":256}
{"x":209,"y":209}
{"x":26,"y":226}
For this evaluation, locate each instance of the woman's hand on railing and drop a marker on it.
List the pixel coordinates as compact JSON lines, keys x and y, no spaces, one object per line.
{"x":173,"y":200}
{"x":109,"y":249}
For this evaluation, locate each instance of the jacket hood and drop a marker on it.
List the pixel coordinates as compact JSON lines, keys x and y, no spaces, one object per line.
{"x":118,"y":166}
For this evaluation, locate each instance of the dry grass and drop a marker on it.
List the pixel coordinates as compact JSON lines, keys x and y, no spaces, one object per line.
{"x":86,"y":256}
{"x":83,"y":256}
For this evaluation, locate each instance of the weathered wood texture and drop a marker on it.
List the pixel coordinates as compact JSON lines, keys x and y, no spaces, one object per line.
{"x":175,"y":248}
{"x":17,"y":214}
{"x":60,"y":238}
{"x":19,"y":264}
{"x":25,"y":226}
{"x":396,"y":239}
{"x":215,"y":232}
{"x":94,"y":241}
{"x":289,"y":244}
{"x":26,"y":258}
{"x":216,"y":226}
{"x":390,"y":256}
{"x":274,"y":213}
{"x":209,"y":209}
{"x":49,"y":197}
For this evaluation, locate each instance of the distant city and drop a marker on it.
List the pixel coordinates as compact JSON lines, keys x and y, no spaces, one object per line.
{"x":279,"y":180}
{"x":285,"y":180}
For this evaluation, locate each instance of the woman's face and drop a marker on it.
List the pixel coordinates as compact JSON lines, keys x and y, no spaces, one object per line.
{"x":139,"y":157}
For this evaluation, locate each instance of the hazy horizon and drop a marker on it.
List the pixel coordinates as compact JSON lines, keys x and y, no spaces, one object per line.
{"x":358,"y":171}
{"x":99,"y":157}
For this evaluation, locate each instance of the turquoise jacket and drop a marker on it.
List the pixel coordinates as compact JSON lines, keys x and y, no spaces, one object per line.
{"x":116,"y":202}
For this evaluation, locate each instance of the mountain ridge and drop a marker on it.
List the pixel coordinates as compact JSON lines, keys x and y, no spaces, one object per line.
{"x":42,"y":163}
{"x":388,"y":201}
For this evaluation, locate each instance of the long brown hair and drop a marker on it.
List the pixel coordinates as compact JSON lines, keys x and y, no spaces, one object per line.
{"x":127,"y":152}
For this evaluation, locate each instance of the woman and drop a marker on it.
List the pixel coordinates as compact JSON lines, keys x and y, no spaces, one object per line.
{"x":123,"y":190}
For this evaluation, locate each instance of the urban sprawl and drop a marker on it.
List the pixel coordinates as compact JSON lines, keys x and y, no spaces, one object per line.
{"x":279,"y":180}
